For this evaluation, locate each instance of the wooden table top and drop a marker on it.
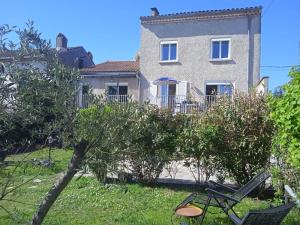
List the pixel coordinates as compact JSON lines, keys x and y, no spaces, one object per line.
{"x":189,"y":211}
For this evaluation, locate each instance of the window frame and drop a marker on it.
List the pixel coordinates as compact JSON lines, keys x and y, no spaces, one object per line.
{"x":220,"y":49}
{"x":109,"y":84}
{"x":219,"y":83}
{"x":169,"y":55}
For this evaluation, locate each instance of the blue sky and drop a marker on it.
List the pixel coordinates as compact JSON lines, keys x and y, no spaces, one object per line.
{"x":111,"y":30}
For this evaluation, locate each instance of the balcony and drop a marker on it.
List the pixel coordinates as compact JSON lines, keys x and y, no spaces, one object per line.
{"x":180,"y":104}
{"x":85,"y":99}
{"x":173,"y":103}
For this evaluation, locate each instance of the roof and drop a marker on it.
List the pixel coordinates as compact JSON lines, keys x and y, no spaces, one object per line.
{"x":70,"y":56}
{"x":219,"y":13}
{"x":113,"y":66}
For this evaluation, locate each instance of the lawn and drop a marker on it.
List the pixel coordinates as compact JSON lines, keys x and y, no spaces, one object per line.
{"x":85,"y":201}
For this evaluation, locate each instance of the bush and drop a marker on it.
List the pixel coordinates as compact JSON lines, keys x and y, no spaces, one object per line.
{"x":197,"y":143}
{"x":234,"y":137}
{"x":245,"y":134}
{"x":106,"y":128}
{"x":153,"y":142}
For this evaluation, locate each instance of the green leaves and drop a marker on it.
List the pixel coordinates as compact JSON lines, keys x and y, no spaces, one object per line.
{"x":37,"y":93}
{"x":244,"y":138}
{"x":286,"y":115}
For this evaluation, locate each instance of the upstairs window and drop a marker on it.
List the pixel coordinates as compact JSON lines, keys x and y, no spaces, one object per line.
{"x":220,"y":49}
{"x":168,"y":51}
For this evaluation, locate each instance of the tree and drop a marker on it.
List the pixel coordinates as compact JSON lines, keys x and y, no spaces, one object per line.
{"x":37,"y":91}
{"x":286,"y":115}
{"x":37,"y":100}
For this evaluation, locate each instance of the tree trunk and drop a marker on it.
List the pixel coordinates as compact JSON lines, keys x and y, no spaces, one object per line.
{"x":59,"y":186}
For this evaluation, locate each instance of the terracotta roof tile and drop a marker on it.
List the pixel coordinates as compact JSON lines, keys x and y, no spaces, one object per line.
{"x":113,"y":66}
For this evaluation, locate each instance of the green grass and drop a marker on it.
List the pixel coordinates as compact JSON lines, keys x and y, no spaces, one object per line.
{"x":29,"y":161}
{"x":85,"y":201}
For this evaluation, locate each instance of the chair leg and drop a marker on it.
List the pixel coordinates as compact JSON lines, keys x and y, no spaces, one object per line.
{"x":235,"y":213}
{"x":205,"y":210}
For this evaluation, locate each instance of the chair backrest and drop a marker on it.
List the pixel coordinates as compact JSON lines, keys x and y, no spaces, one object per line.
{"x":272,"y":216}
{"x":251,"y":185}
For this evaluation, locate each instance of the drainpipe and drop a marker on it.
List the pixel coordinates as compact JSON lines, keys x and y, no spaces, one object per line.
{"x":249,"y":59}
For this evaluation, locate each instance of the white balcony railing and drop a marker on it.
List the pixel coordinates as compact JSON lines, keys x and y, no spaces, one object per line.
{"x":85,"y":100}
{"x":174,"y":103}
{"x":118,"y":98}
{"x":180,"y":103}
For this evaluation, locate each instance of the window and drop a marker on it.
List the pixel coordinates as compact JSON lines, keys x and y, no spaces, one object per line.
{"x":219,"y":89}
{"x":117,"y":90}
{"x":117,"y":93}
{"x":220,"y":49}
{"x":168,"y":51}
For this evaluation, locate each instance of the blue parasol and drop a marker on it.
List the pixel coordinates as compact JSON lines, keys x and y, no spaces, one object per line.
{"x":165,"y":80}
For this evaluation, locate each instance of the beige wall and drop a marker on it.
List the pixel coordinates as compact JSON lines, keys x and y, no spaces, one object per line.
{"x":194,"y":49}
{"x":98,"y":84}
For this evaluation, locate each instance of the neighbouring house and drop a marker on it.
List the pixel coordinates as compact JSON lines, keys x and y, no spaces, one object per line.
{"x":75,"y":57}
{"x":187,"y":59}
{"x":119,"y":80}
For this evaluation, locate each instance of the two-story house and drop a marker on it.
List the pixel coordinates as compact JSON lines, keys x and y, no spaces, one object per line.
{"x":183,"y":56}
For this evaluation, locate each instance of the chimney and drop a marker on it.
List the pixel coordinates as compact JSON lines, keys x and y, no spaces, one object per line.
{"x":154,"y":12}
{"x":61,"y":41}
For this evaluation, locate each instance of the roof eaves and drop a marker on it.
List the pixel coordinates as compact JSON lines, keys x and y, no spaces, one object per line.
{"x":222,"y":13}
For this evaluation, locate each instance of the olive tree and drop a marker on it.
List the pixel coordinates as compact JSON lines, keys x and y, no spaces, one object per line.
{"x":37,"y":99}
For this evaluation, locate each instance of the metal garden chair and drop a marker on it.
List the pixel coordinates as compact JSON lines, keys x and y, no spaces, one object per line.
{"x":227,"y":197}
{"x":272,"y":216}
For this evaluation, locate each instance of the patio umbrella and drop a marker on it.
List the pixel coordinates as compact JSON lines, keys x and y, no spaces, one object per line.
{"x":165,"y":80}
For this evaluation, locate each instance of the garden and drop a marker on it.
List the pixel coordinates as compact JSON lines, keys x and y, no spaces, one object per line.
{"x":61,"y":164}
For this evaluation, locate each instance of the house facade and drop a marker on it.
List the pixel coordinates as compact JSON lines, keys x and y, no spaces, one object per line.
{"x":186,"y":57}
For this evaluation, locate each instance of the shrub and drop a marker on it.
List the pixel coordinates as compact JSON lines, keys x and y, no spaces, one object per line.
{"x":153,"y":142}
{"x":197,"y":143}
{"x":245,"y":134}
{"x":106,"y":128}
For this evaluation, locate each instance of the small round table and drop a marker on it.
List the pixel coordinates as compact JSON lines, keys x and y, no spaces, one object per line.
{"x":189,"y":211}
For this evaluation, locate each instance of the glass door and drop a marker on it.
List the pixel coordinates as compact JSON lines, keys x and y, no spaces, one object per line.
{"x":164,"y":92}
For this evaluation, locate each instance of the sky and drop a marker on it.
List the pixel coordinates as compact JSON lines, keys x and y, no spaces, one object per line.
{"x":110,"y":29}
